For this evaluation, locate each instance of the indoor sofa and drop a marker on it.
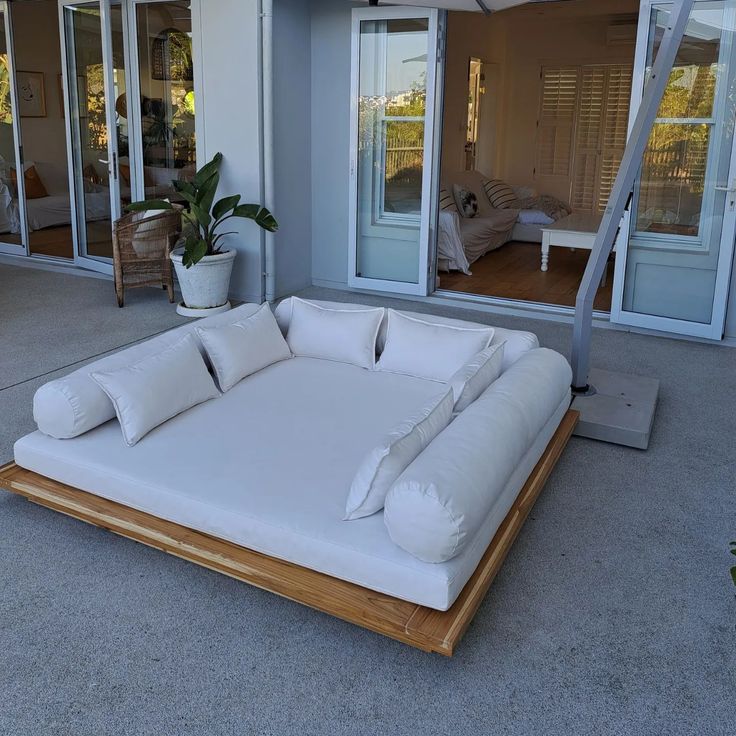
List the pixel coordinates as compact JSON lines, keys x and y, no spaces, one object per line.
{"x":271,"y":462}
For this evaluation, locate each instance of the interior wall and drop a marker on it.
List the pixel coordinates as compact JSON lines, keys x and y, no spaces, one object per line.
{"x":227,"y":59}
{"x":292,"y":136}
{"x":37,"y":49}
{"x":516,"y":44}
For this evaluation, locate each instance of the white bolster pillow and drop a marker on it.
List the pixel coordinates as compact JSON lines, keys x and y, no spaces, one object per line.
{"x":441,"y":500}
{"x":75,"y":404}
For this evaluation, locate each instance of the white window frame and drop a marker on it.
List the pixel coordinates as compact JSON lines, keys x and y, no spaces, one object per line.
{"x":714,"y":329}
{"x":425,"y":272}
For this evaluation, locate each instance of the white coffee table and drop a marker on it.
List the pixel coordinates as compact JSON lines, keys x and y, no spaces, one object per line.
{"x":574,"y":231}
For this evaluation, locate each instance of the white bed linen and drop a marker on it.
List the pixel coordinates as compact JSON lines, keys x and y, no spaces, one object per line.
{"x":449,"y":243}
{"x":270,"y":467}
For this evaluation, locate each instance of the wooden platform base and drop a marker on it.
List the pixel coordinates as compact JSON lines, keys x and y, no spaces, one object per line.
{"x":425,"y":628}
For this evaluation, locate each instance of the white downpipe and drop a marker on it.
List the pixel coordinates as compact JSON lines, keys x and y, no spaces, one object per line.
{"x":269,"y":250}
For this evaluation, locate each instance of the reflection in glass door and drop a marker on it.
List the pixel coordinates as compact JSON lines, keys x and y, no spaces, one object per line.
{"x":165,"y":148}
{"x":12,"y":212}
{"x":95,"y":91}
{"x":393,"y":97}
{"x":674,"y":275}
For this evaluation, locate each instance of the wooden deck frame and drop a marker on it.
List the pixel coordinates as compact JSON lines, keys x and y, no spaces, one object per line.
{"x":418,"y":626}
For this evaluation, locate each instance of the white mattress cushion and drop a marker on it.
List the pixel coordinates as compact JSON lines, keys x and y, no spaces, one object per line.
{"x":236,"y":350}
{"x":428,"y":349}
{"x":278,"y":461}
{"x":155,"y":389}
{"x":472,"y":379}
{"x":70,"y":406}
{"x":391,"y":456}
{"x":440,"y":501}
{"x":347,"y":336}
{"x":517,"y":342}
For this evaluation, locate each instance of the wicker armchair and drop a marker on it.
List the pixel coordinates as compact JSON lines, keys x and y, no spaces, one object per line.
{"x":141,"y":244}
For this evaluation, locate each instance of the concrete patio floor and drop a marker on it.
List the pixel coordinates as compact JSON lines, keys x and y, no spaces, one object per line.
{"x":613,"y":614}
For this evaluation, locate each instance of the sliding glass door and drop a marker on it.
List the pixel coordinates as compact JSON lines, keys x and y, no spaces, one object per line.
{"x":94,"y":75}
{"x":13,"y":233}
{"x":673,"y":274}
{"x":164,"y":149}
{"x":394,"y":64}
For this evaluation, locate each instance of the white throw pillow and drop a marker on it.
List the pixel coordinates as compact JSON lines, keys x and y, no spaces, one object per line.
{"x":428,"y":349}
{"x":477,"y":375}
{"x":388,"y":460}
{"x":157,"y":388}
{"x":237,"y":350}
{"x":343,"y":335}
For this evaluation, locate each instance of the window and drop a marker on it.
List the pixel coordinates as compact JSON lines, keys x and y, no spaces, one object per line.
{"x":583,"y":125}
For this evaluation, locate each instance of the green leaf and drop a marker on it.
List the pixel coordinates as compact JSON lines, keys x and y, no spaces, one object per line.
{"x":186,"y":190}
{"x":207,"y":170}
{"x":733,"y":575}
{"x":262,"y":217}
{"x":202,"y":215}
{"x":194,"y":253}
{"x":267,"y":221}
{"x":151,"y":204}
{"x":206,"y":193}
{"x":247,"y":210}
{"x":225,"y":205}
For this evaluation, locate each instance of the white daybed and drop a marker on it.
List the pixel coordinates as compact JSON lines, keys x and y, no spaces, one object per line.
{"x":262,"y":472}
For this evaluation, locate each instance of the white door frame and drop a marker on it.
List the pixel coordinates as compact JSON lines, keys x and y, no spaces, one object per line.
{"x":425,"y":280}
{"x":713,"y":330}
{"x":23,"y":247}
{"x":72,"y":122}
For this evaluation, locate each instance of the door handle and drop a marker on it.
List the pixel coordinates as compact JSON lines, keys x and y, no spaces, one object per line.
{"x":725,"y":189}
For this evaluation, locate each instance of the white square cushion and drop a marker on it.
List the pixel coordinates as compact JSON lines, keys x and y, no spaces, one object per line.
{"x":237,"y":350}
{"x":394,"y":453}
{"x":470,"y":381}
{"x":343,"y":335}
{"x":428,"y":349}
{"x":157,"y":388}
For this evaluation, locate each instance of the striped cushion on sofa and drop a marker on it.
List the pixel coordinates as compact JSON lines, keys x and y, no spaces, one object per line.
{"x":447,"y":201}
{"x":501,"y":195}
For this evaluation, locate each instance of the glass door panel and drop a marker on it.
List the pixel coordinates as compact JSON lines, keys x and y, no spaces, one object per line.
{"x":93,"y":65}
{"x":12,"y":215}
{"x":394,"y":71}
{"x":165,"y":107}
{"x":674,"y":273}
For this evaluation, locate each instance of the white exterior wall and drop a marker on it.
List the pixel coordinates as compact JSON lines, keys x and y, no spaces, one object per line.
{"x":331,"y":21}
{"x":292,"y":138}
{"x":227,"y":57}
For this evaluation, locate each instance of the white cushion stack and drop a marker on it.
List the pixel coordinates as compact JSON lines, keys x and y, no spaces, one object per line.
{"x":440,"y":501}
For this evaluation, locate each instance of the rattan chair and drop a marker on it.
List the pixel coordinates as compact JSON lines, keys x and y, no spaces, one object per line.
{"x":141,"y":244}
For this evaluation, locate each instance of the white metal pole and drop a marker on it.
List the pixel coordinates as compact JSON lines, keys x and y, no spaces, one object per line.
{"x":622,"y":188}
{"x":269,"y":261}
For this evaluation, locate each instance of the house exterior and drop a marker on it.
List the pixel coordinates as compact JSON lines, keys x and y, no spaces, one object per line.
{"x":277,"y":84}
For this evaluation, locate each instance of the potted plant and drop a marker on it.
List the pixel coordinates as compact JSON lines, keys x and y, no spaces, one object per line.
{"x":202,"y":267}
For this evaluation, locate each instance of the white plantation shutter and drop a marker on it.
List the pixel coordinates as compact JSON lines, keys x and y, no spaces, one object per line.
{"x":583,"y":125}
{"x":615,"y":128}
{"x":556,"y":120}
{"x":601,"y":130}
{"x":588,"y":133}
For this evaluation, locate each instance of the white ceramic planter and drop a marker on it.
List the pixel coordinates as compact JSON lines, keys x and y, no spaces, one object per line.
{"x":204,"y":286}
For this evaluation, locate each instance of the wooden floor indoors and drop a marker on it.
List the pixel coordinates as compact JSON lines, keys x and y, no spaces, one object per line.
{"x":513,"y":272}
